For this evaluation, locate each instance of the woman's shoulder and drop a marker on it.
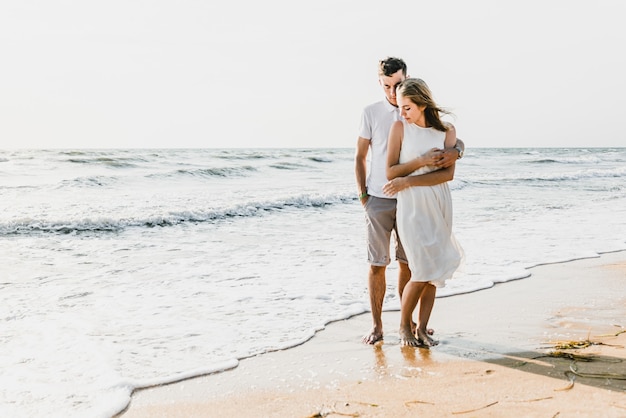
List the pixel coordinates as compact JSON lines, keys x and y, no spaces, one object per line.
{"x":398,"y":124}
{"x":449,"y":126}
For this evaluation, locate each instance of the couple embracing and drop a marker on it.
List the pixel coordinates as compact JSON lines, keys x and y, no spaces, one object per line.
{"x":406,"y":194}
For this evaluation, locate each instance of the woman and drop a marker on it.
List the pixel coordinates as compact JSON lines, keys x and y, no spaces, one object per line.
{"x":424,"y":213}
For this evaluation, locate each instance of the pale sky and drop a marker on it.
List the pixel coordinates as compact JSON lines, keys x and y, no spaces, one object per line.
{"x":281,"y":73}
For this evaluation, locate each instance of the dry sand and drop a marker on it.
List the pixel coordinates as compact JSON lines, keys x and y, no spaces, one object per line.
{"x":498,"y":357}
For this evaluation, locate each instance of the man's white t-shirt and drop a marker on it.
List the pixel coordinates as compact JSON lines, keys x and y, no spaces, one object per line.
{"x":376,"y":121}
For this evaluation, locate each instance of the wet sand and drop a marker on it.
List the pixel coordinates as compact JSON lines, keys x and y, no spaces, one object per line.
{"x":499,"y":355}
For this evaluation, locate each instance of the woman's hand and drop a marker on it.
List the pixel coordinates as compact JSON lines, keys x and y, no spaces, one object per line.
{"x":448,"y":158}
{"x":433,"y":156}
{"x":394,"y":186}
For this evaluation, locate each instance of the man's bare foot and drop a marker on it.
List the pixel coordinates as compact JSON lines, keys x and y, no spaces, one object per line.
{"x":426,"y":339}
{"x":407,"y":338}
{"x":373,"y":337}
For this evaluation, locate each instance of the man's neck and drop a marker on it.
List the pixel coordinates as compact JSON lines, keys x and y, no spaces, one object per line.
{"x":396,"y":106}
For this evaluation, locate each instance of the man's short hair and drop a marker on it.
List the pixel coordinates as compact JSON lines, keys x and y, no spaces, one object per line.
{"x":390,"y":66}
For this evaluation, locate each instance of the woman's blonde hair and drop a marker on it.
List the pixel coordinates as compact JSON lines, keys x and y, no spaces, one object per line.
{"x":417,"y":91}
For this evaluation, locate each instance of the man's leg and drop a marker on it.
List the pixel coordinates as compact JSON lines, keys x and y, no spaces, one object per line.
{"x":380,"y":220}
{"x":404,"y":275}
{"x":377,"y":287}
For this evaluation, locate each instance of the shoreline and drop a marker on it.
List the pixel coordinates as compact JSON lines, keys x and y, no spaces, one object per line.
{"x":494,"y":341}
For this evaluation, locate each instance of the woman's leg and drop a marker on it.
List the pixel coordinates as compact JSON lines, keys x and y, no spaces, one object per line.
{"x":427,"y":301}
{"x":410,"y":296}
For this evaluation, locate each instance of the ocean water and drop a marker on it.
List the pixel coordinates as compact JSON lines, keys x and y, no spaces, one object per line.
{"x":121,"y":269}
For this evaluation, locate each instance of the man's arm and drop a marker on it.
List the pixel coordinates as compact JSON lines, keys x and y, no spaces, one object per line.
{"x":360,"y":167}
{"x":429,"y":179}
{"x":445,"y":173}
{"x":451,"y":154}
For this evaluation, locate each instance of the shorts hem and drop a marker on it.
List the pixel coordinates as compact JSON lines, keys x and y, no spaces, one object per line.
{"x":378,"y":264}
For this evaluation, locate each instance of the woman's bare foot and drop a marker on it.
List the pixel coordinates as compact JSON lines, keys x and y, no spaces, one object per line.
{"x":426,"y":339}
{"x":373,"y":337}
{"x":407,"y":338}
{"x":430,"y":331}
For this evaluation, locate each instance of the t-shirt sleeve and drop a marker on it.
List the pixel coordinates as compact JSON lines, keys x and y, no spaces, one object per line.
{"x":365,"y":127}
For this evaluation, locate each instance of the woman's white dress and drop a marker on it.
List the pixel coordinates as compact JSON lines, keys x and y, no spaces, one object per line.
{"x":424,"y":215}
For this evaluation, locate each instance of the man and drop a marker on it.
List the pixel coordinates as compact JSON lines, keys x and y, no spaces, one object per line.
{"x":380,"y":209}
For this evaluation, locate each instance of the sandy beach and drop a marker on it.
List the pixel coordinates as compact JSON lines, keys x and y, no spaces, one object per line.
{"x":548,"y":345}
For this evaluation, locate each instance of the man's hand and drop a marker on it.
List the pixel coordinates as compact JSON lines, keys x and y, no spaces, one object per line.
{"x":394,"y":186}
{"x":448,"y":158}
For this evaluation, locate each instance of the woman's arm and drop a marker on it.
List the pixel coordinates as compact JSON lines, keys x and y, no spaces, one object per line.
{"x":451,"y":154}
{"x":441,"y":175}
{"x":429,"y":179}
{"x":451,"y":140}
{"x":394,"y":144}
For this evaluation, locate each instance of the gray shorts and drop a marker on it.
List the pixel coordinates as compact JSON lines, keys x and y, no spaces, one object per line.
{"x":380,"y":218}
